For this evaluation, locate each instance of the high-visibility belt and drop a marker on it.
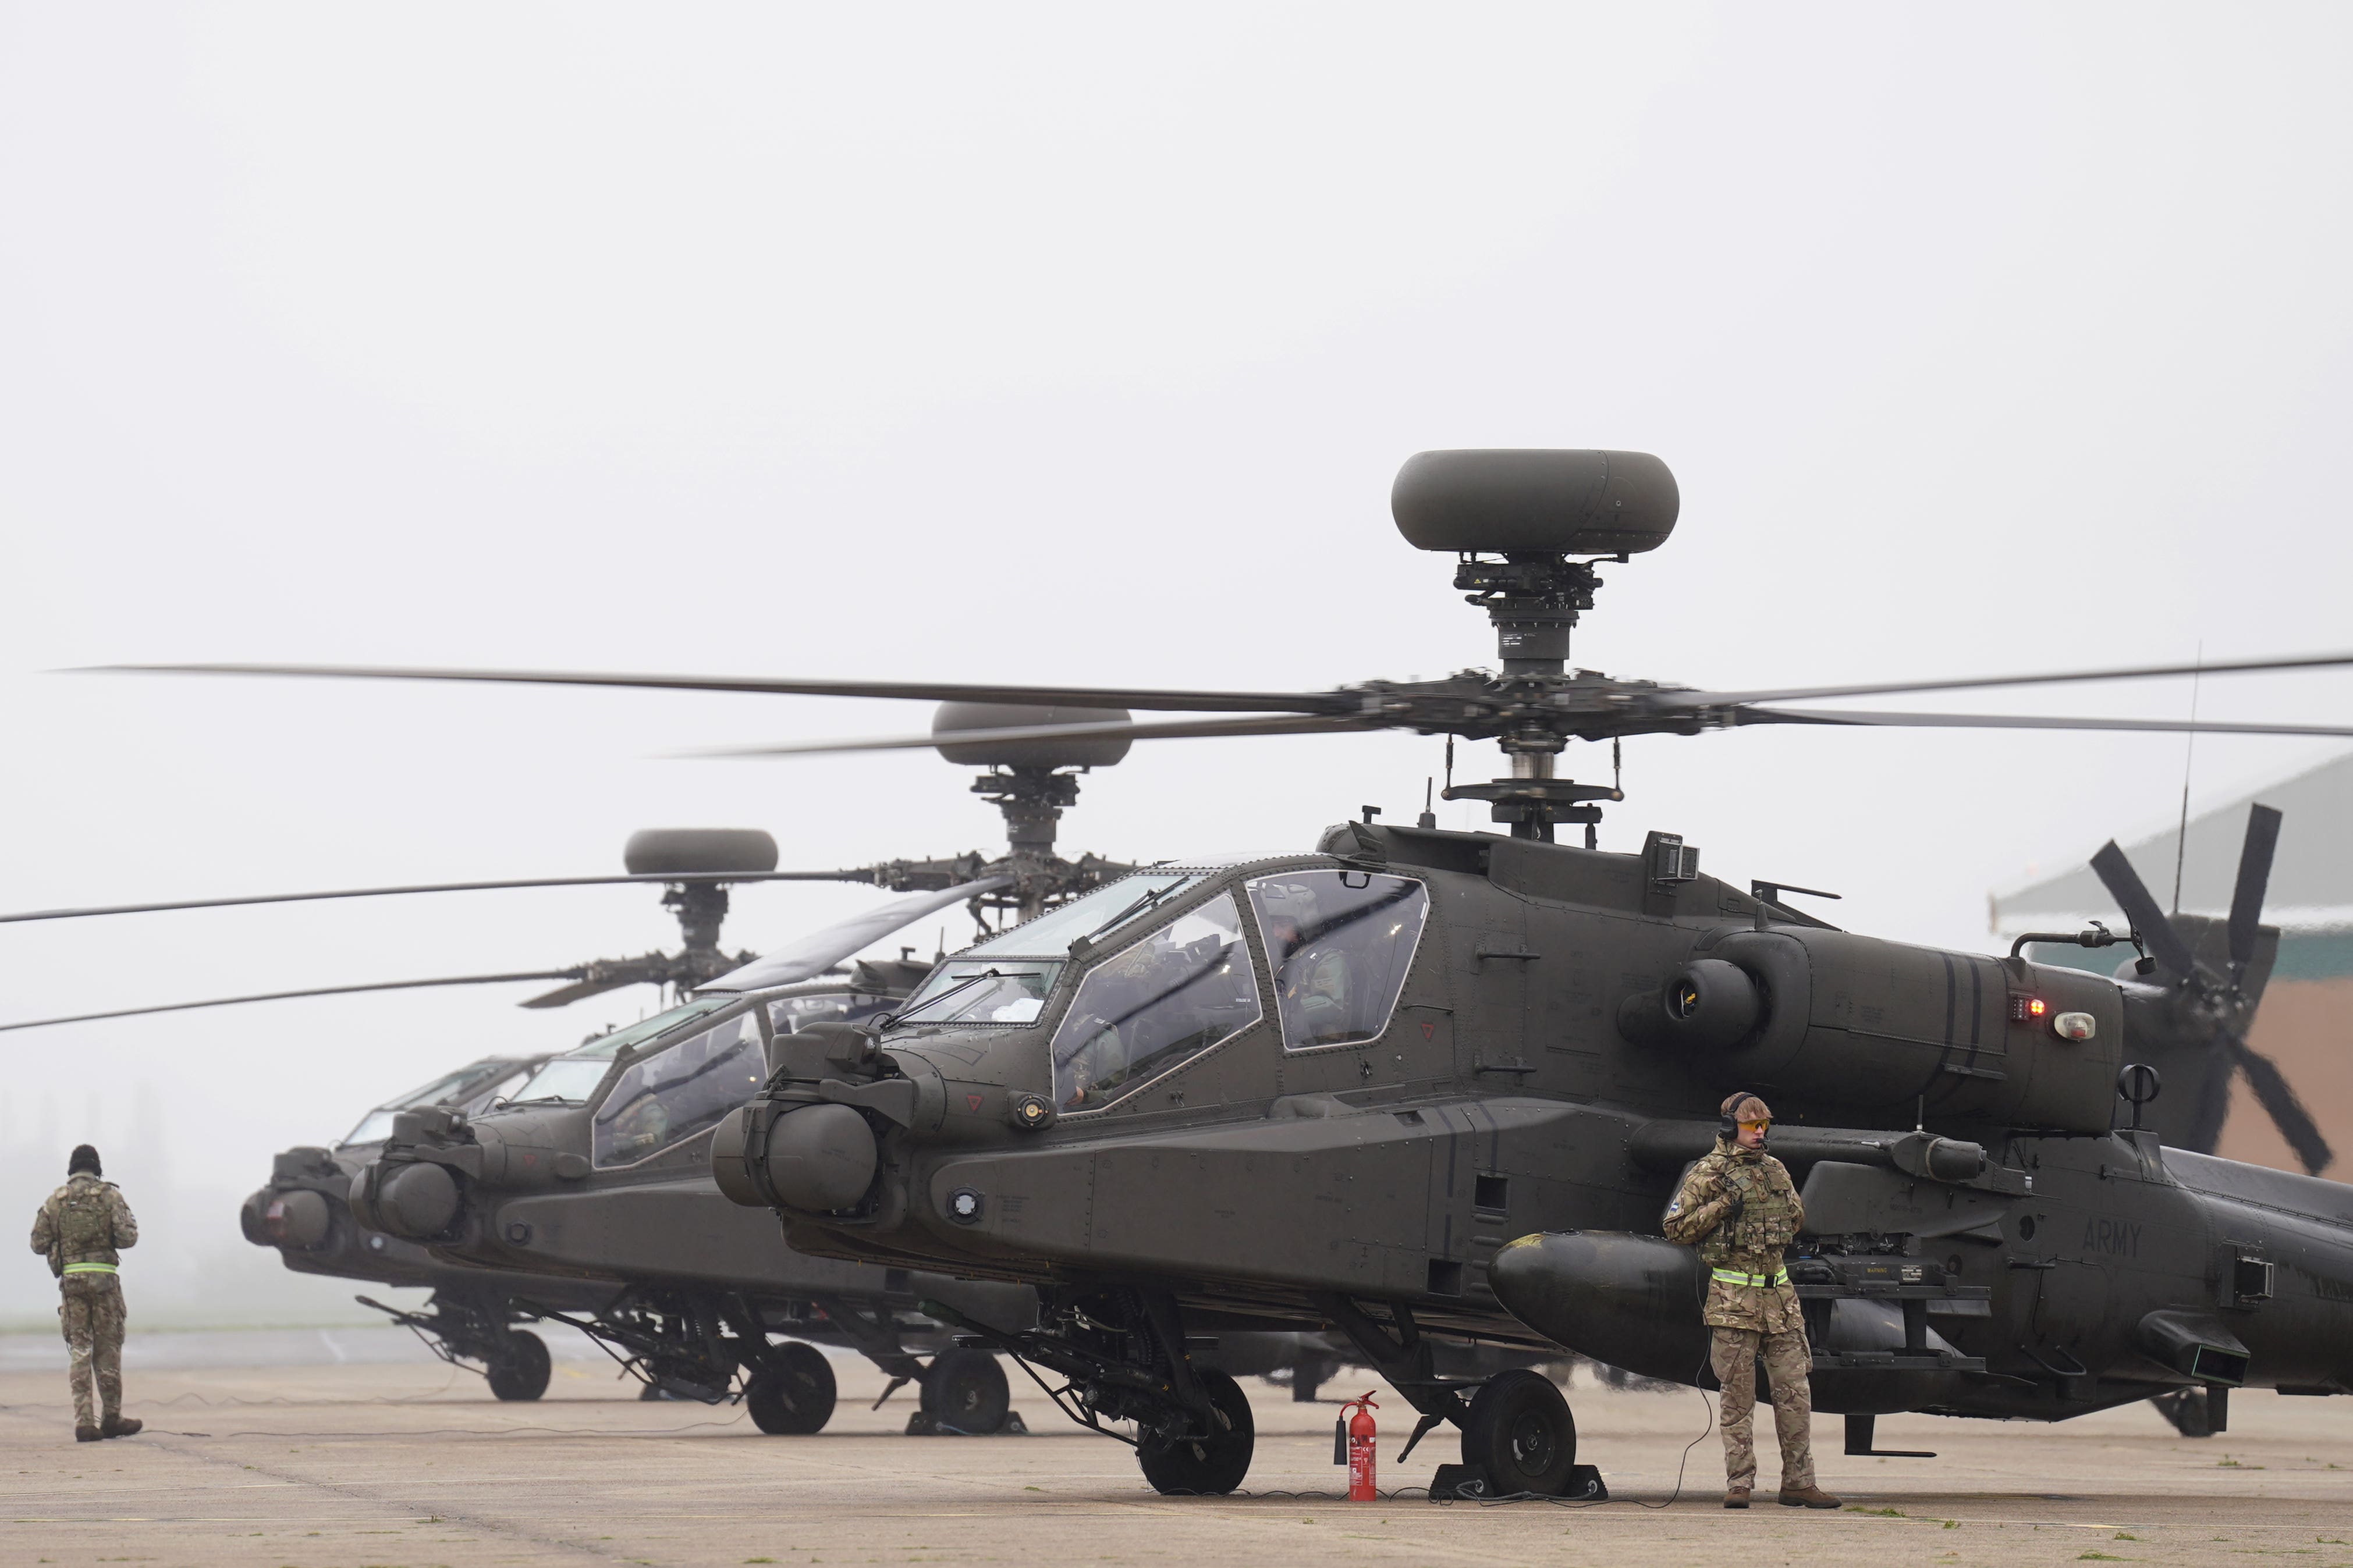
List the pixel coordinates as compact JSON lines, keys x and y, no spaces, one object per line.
{"x":108,"y":1268}
{"x":1735,"y":1277}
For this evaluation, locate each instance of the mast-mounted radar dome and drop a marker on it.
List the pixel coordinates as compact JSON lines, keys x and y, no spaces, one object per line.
{"x":1537,"y":500}
{"x":698,"y":851}
{"x":1045,"y":751}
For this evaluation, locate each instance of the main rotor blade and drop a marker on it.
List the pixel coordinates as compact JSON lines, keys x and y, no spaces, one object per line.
{"x":655,"y":878}
{"x":290,"y":995}
{"x":580,"y":991}
{"x":1882,"y":688}
{"x":2132,"y":895}
{"x":1166,"y":730}
{"x":2279,"y":1100}
{"x":2022,"y":722}
{"x":820,"y":951}
{"x":913,"y":690}
{"x":2255,"y":878}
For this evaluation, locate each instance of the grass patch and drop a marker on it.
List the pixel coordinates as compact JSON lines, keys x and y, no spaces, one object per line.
{"x":1877,"y":1512}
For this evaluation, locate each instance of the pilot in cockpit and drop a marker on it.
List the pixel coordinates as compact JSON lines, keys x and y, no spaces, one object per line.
{"x":1314,"y":978}
{"x":643,"y":1127}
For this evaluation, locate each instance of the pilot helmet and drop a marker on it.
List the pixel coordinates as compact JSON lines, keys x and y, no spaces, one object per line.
{"x":1292,"y":901}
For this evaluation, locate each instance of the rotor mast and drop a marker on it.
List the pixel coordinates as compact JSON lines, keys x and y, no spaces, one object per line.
{"x":1032,"y":800}
{"x":1535,"y":509}
{"x":1533,"y":598}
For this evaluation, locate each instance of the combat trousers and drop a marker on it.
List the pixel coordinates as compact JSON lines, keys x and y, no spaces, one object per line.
{"x":92,"y":1318}
{"x":1789,"y":1365}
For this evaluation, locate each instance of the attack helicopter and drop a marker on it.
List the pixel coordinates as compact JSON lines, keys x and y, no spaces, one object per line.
{"x":598,"y":1165}
{"x":691,"y":1318}
{"x":472,"y":1318}
{"x":469,"y":1319}
{"x":659,"y":1316}
{"x":1416,"y":1082}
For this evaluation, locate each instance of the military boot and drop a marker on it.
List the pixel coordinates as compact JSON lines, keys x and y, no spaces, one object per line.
{"x":86,"y":1434}
{"x":1736,"y":1497}
{"x":1807,"y":1495}
{"x":120,"y":1426}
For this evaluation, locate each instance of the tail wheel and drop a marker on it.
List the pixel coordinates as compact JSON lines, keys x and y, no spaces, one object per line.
{"x":1520,"y":1432}
{"x":1214,"y":1465}
{"x":793,"y":1394}
{"x":522,"y":1370}
{"x":965,"y":1390}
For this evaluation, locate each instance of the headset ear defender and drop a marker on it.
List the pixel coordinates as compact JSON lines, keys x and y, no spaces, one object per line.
{"x":1725,"y":1124}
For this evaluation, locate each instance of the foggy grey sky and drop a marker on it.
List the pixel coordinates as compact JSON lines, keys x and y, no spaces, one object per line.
{"x":1077,"y":345}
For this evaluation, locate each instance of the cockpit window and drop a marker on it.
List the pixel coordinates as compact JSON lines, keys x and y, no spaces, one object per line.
{"x":1183,"y":989}
{"x":1051,"y":933}
{"x":680,"y":1090}
{"x":788,"y":1015}
{"x":470,"y":1088}
{"x":575,"y":1075}
{"x":981,"y":990}
{"x":1341,"y":942}
{"x":480,"y":1096}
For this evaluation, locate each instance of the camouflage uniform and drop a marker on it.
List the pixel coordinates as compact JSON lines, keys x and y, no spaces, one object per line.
{"x":1751,"y":1305}
{"x":80,"y":1228}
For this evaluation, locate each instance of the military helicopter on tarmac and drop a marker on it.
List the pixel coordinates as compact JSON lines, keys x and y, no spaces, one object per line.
{"x":625,"y":1283}
{"x":1416,"y":1082}
{"x":654,"y":1269}
{"x":470,"y":1319}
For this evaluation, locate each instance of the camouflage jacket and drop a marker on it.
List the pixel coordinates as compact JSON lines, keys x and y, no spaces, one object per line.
{"x":85,"y":1221}
{"x":1744,"y":1252}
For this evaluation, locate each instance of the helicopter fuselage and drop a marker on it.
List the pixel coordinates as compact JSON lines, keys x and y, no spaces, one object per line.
{"x":1295,"y":1089}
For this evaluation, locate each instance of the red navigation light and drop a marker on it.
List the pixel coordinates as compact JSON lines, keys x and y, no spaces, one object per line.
{"x":2027,"y":1009}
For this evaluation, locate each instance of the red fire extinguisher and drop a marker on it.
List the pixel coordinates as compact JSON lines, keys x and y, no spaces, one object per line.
{"x":1360,"y":1448}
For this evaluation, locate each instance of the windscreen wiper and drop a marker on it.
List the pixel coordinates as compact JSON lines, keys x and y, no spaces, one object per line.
{"x":1133,"y":910}
{"x":889,"y":1019}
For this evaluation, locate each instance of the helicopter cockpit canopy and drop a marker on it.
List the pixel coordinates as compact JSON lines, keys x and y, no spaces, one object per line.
{"x":678,"y":1090}
{"x":573,"y":1076}
{"x":1178,"y":991}
{"x":1340,"y":942}
{"x":469,"y":1088}
{"x":792,"y":1013}
{"x":1004,"y":979}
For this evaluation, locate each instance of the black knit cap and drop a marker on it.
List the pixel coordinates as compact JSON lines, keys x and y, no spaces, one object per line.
{"x":83,"y":1158}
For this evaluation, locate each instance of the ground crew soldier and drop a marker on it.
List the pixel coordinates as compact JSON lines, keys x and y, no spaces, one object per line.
{"x":81,"y":1228}
{"x":1738,"y":1207}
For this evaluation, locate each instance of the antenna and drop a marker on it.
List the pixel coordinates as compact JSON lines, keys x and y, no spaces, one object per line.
{"x":1428,"y":817}
{"x":2188,"y":755}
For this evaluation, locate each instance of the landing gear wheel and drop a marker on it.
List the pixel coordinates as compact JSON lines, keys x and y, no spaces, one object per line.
{"x":522,"y":1370}
{"x":792,"y":1396}
{"x":1520,"y":1432}
{"x":1211,"y":1466}
{"x":2188,"y":1410}
{"x":966,"y":1390}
